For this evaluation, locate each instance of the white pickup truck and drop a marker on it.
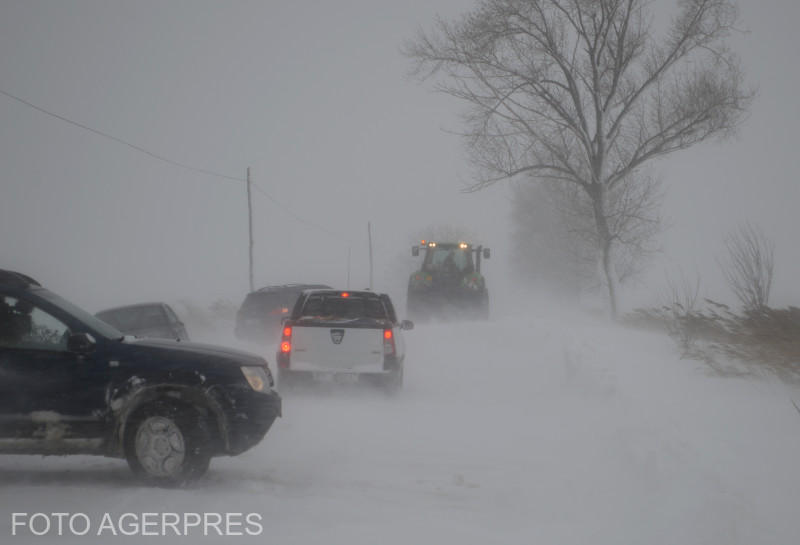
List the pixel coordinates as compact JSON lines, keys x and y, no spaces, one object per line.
{"x":344,"y":336}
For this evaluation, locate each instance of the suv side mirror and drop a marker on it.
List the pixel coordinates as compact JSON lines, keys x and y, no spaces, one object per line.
{"x":415,"y":251}
{"x":81,"y":343}
{"x":406,"y":324}
{"x":486,"y":253}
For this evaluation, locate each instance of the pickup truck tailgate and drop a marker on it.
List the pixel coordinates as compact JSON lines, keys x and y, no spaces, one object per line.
{"x":337,"y":349}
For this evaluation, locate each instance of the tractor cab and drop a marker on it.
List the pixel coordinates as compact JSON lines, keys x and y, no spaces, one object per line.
{"x":449,"y":281}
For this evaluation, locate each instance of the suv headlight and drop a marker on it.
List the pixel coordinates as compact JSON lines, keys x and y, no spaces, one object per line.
{"x":256,"y":377}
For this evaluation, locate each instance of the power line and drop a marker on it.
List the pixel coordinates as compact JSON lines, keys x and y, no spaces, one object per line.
{"x":295,"y":215}
{"x":173,"y":162}
{"x":121,"y":141}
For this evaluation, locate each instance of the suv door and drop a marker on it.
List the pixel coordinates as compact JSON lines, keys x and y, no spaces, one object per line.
{"x":49,"y":396}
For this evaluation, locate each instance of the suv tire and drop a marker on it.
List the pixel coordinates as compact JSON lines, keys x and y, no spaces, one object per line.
{"x":165,"y":444}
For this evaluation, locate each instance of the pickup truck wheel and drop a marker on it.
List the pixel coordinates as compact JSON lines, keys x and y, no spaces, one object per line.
{"x":285,"y":380}
{"x":165,"y":445}
{"x":393,"y":382}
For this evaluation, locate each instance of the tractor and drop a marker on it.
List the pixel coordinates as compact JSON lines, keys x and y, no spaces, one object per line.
{"x":449,"y":284}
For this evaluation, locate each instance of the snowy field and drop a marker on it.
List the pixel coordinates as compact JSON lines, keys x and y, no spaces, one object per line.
{"x":557,"y":430}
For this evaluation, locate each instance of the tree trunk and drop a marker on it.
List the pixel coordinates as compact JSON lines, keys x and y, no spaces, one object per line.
{"x":597,"y":195}
{"x":610,"y":279}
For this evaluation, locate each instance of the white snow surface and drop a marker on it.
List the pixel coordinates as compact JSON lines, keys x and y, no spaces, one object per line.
{"x":556,"y":430}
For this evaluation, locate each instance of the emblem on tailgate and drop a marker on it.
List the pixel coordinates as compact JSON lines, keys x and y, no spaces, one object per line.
{"x":337,"y":335}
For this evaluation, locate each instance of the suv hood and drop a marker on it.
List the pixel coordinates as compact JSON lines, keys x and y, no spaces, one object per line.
{"x":220,"y":353}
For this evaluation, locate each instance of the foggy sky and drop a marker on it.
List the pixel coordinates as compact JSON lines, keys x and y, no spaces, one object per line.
{"x":313,"y":96}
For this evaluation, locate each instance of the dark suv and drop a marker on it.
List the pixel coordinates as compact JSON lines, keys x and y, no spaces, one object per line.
{"x":72,"y":384}
{"x":259,"y":317}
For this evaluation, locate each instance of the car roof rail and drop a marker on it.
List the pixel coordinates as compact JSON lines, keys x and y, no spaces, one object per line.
{"x":17,"y":280}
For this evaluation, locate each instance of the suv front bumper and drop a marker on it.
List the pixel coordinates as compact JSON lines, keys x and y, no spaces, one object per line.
{"x":249,"y":416}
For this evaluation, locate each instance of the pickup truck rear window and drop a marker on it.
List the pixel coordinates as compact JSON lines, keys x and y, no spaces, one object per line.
{"x":333,"y":306}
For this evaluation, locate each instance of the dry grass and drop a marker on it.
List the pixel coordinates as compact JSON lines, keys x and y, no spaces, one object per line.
{"x":765,"y":338}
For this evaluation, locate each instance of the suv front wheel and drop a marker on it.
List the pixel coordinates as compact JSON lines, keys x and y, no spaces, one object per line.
{"x":165,"y":444}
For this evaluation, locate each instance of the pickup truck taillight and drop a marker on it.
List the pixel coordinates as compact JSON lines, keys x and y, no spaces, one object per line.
{"x":388,"y":343}
{"x":284,"y":352}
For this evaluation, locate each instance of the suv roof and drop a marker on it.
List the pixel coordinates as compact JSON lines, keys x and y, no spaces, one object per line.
{"x":291,"y":287}
{"x":16,"y":280}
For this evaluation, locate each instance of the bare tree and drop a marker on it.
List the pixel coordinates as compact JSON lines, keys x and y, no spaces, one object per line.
{"x":682,"y":312}
{"x":557,"y":219}
{"x":548,"y":250}
{"x":582,"y":92}
{"x":749,"y":267}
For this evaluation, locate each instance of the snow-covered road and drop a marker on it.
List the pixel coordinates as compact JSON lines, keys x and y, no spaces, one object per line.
{"x":523,"y":430}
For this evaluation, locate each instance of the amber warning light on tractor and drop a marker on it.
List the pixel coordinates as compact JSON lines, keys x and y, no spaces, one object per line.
{"x":345,"y":294}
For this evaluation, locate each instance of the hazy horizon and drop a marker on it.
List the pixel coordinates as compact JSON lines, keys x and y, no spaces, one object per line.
{"x":315,"y":98}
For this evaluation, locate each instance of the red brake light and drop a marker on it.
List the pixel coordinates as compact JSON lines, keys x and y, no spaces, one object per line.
{"x":388,"y":343}
{"x":285,"y":348}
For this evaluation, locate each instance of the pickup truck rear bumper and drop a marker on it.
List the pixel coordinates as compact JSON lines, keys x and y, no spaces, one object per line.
{"x":391,"y":367}
{"x":289,"y":378}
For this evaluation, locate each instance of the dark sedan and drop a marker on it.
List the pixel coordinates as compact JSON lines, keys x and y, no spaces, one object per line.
{"x":146,"y":320}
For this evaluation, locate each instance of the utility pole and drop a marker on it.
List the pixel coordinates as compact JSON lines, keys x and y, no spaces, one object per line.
{"x":349,"y":251}
{"x":369,"y":235}
{"x":250,"y":224}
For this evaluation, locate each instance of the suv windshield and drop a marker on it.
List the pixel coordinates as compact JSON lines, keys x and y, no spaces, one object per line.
{"x":96,"y":324}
